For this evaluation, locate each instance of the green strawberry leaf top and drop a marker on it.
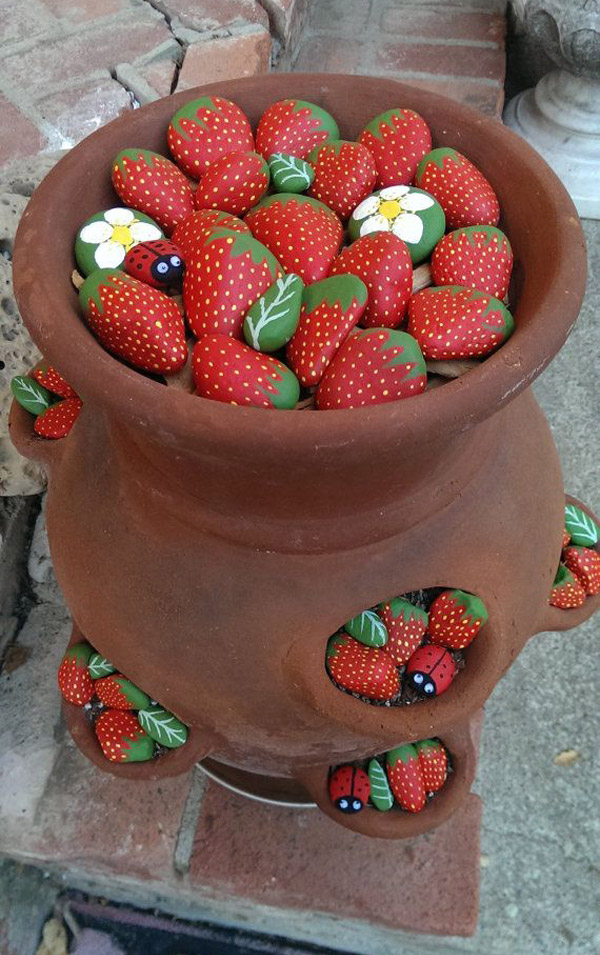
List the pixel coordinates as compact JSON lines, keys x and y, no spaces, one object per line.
{"x":428,"y":744}
{"x":439,"y":157}
{"x":381,"y":794}
{"x":494,"y":236}
{"x":101,"y":279}
{"x":286,"y":388}
{"x":582,"y":528}
{"x":163,"y":727}
{"x":411,"y":353}
{"x":564,"y":576}
{"x":470,"y":605}
{"x":138,"y":750}
{"x":494,"y":306}
{"x":335,"y":644}
{"x":242,"y":244}
{"x":137,"y":155}
{"x":332,"y":145}
{"x":403,"y":754}
{"x":368,"y":628}
{"x":190,"y":111}
{"x":344,"y":289}
{"x":31,"y":396}
{"x":377,"y":125}
{"x":283,"y":198}
{"x":326,"y":120}
{"x":80,"y":652}
{"x":99,"y":666}
{"x":399,"y":607}
{"x":272,"y":320}
{"x":290,"y":174}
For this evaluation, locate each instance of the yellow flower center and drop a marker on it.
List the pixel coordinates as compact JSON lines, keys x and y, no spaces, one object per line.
{"x":390,"y":208}
{"x":122,"y":235}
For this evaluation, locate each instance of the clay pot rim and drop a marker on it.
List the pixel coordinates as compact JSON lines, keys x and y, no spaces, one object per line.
{"x":97,"y":376}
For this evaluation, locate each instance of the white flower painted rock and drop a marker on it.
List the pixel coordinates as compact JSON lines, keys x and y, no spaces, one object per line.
{"x":106,"y":238}
{"x":409,"y":213}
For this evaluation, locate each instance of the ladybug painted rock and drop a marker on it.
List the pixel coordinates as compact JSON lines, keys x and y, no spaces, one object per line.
{"x":430,"y":670}
{"x":349,"y":788}
{"x":159,"y":263}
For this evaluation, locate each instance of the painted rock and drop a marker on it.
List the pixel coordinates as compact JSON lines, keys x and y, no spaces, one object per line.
{"x":122,"y":738}
{"x":189,"y":236}
{"x":106,"y":238}
{"x":397,"y":139}
{"x":226,"y":370}
{"x":290,"y":174}
{"x":584,"y":563}
{"x":478,"y":256}
{"x":404,"y":775}
{"x":463,"y":192}
{"x":360,"y":669}
{"x":204,"y":130}
{"x":345,"y":173}
{"x":99,"y":666}
{"x":349,"y":788}
{"x":381,"y":794}
{"x":406,"y":626}
{"x":567,"y":590}
{"x":151,"y":183}
{"x":580,"y":526}
{"x":163,"y":727}
{"x":272,"y":320}
{"x":159,"y":263}
{"x":367,"y":628}
{"x":566,"y":537}
{"x":433,"y":763}
{"x":455,"y":619}
{"x":374,"y":366}
{"x":134,"y":321}
{"x":48,"y":377}
{"x":30,"y":395}
{"x":120,"y":693}
{"x":430,"y":670}
{"x":234,"y":183}
{"x":74,"y":682}
{"x":57,"y":420}
{"x":302,"y":232}
{"x":454,"y":322}
{"x":383,"y":263}
{"x":223,"y":279}
{"x":411,"y":214}
{"x":330,"y":310}
{"x":294,"y":127}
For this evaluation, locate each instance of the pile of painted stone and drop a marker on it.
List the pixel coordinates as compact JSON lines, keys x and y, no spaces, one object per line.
{"x":578,"y":575}
{"x":46,"y":394}
{"x":280,"y":315}
{"x":129,"y":726}
{"x":400,"y":652}
{"x":407,"y":776}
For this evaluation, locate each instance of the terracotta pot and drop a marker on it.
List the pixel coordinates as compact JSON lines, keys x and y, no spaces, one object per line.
{"x":209,"y":551}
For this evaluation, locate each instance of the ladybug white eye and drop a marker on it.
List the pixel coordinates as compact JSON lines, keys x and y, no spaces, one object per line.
{"x":418,"y":678}
{"x":429,"y":689}
{"x":356,"y":805}
{"x":162,"y":267}
{"x":343,"y":803}
{"x":175,"y":261}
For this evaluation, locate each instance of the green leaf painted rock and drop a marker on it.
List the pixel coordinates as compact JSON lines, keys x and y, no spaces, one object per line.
{"x":31,"y":396}
{"x":272,"y":320}
{"x":368,"y":628}
{"x":163,"y":727}
{"x":290,"y":174}
{"x":405,"y":211}
{"x":582,"y":528}
{"x":106,"y":237}
{"x":381,"y":794}
{"x":99,"y":666}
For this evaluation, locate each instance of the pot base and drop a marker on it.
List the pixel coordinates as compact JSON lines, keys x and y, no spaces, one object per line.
{"x":273,"y":790}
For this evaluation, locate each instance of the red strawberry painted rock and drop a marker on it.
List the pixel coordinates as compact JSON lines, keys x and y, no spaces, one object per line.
{"x":567,"y":590}
{"x":454,"y":322}
{"x":294,"y":127}
{"x":584,"y":564}
{"x":122,"y":738}
{"x":227,"y":370}
{"x":461,"y":189}
{"x":383,"y":262}
{"x":330,"y":310}
{"x":566,"y":538}
{"x":433,"y":764}
{"x":406,"y":626}
{"x":404,"y":775}
{"x":190,"y":234}
{"x":120,"y":693}
{"x":361,"y":669}
{"x":430,"y":671}
{"x":134,"y":321}
{"x":151,"y":183}
{"x":159,"y":263}
{"x":373,"y":366}
{"x":478,"y":256}
{"x":345,"y":173}
{"x":455,"y":619}
{"x":50,"y":378}
{"x":233,"y":183}
{"x":223,"y":278}
{"x":302,"y":232}
{"x":349,"y":788}
{"x":204,"y":130}
{"x":58,"y":419}
{"x":398,"y":140}
{"x":74,"y":681}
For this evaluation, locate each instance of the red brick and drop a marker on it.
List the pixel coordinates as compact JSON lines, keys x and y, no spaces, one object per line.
{"x":226,"y":58}
{"x":205,"y":15}
{"x":302,"y":860}
{"x":287,"y":17}
{"x":20,"y":136}
{"x":21,"y":21}
{"x":447,"y":25}
{"x":327,"y":55}
{"x":431,"y":58}
{"x":159,"y":75}
{"x":78,"y":111}
{"x":482,"y":96}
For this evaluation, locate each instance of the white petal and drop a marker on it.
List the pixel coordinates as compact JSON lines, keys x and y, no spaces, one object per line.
{"x":375,"y":224}
{"x":109,"y":255}
{"x":366,"y":208}
{"x":119,"y":216}
{"x":394,"y":192}
{"x":408,"y":227}
{"x":144,"y":231}
{"x":416,"y":201}
{"x":96,"y":232}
